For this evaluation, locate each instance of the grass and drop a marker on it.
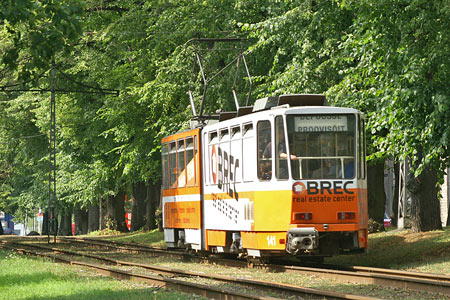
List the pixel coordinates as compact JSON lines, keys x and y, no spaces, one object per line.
{"x":32,"y":278}
{"x":426,"y":251}
{"x":152,"y":238}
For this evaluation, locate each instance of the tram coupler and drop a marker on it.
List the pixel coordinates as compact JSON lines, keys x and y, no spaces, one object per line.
{"x":306,"y":238}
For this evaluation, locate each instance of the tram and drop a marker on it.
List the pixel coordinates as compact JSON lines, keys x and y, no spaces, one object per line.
{"x":285,"y":177}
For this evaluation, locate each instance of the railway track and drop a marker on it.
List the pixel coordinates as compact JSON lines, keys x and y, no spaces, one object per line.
{"x":164,"y":277}
{"x":386,"y":277}
{"x":434,"y":283}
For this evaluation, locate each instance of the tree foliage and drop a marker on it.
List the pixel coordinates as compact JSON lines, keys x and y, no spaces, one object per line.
{"x":387,"y":58}
{"x":34,"y":31}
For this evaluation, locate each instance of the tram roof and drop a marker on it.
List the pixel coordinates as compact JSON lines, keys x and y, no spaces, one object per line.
{"x":279,"y":105}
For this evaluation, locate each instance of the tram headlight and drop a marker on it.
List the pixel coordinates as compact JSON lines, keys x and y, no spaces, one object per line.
{"x":307,"y":242}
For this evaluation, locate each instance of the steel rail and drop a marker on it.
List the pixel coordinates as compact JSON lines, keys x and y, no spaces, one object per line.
{"x":278,"y":287}
{"x":418,"y":284}
{"x":387,"y":277}
{"x":418,"y":275}
{"x":395,"y":278}
{"x":161,"y":281}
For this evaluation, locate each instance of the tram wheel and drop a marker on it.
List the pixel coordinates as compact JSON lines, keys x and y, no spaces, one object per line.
{"x":257,"y":261}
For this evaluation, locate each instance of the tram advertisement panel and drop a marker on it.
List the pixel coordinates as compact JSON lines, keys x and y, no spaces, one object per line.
{"x":226,"y":208}
{"x":325,"y":201}
{"x":324,"y":191}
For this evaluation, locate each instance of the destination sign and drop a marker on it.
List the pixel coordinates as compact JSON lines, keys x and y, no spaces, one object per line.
{"x":322,"y":123}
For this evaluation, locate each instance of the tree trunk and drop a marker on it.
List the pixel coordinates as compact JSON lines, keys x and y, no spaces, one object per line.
{"x":153,"y":202}
{"x":395,"y":198}
{"x":93,"y":217}
{"x":45,"y":228}
{"x":448,"y":197}
{"x":81,"y":222}
{"x":375,"y":191}
{"x":115,"y":215}
{"x":138,"y":208}
{"x":65,"y":228}
{"x":149,"y":216}
{"x":102,"y":204}
{"x":425,"y":212}
{"x":1,"y":229}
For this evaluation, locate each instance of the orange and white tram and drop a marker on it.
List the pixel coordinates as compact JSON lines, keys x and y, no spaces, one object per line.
{"x":282,"y":178}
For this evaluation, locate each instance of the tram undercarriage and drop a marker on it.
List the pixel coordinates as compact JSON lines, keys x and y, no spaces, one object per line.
{"x":305,"y":244}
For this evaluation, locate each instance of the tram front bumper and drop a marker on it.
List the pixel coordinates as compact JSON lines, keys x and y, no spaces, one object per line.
{"x":306,"y":239}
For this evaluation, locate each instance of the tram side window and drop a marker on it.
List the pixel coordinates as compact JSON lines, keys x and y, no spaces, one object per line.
{"x":281,"y":166}
{"x":224,"y":134}
{"x":181,"y":164}
{"x":236,"y":152}
{"x":264,"y":150}
{"x":190,"y":161}
{"x":173,"y":164}
{"x":165,"y":166}
{"x":361,"y":150}
{"x":248,"y":146}
{"x":206,"y":159}
{"x":224,"y":157}
{"x":195,"y":160}
{"x":213,"y":154}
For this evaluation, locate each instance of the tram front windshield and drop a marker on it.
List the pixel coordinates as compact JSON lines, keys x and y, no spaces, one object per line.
{"x":323,"y":145}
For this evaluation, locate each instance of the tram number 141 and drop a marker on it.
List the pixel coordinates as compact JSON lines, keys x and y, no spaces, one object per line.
{"x":271,"y":241}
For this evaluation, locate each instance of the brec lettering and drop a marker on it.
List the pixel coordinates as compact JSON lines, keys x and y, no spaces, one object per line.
{"x":226,"y":170}
{"x":335,"y":187}
{"x":327,"y":191}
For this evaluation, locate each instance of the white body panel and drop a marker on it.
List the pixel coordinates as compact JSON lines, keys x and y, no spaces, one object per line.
{"x":228,"y":214}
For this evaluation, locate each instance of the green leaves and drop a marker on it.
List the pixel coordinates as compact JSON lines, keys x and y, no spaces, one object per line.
{"x":37,"y":31}
{"x":387,"y":58}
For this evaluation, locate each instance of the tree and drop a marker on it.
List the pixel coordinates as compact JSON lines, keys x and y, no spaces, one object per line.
{"x":375,"y":190}
{"x":401,"y":48}
{"x":386,"y":58}
{"x":31,"y":33}
{"x":81,"y":221}
{"x":93,"y":217}
{"x":116,"y":212}
{"x":35,"y":31}
{"x":425,"y":213}
{"x":138,"y":206}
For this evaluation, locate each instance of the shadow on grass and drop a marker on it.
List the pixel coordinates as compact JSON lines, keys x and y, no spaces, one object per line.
{"x":379,"y":291}
{"x":388,"y":250}
{"x":44,"y":285}
{"x":141,"y":237}
{"x":135,"y":294}
{"x":15,"y":279}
